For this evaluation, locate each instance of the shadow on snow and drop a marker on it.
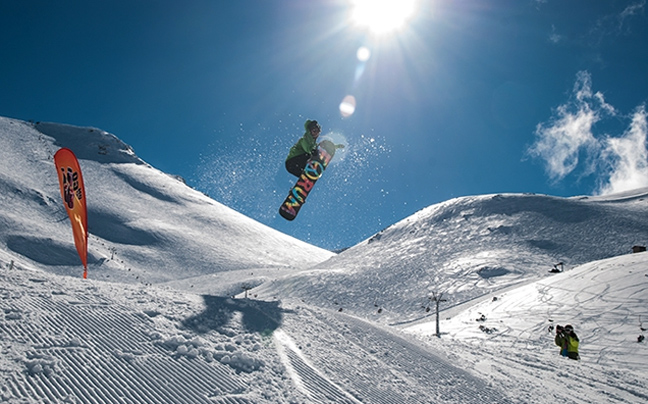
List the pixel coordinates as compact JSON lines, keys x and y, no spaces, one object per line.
{"x":256,"y":316}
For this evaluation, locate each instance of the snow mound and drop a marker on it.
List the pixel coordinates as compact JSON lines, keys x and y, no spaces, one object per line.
{"x":468,"y":247}
{"x":145,"y":226}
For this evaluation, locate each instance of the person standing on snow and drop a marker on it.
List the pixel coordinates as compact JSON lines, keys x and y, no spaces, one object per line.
{"x":561,"y":340}
{"x":304,"y":149}
{"x":568,"y":341}
{"x":572,"y":343}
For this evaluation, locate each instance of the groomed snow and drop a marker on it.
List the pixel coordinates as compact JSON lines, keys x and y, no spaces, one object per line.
{"x":156,"y":322}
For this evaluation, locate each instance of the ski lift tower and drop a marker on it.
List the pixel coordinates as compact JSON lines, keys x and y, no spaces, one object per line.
{"x":437,"y":299}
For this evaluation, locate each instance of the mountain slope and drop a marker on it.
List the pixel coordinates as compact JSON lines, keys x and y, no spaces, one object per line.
{"x":70,"y":340}
{"x":64,"y":339}
{"x":145,"y":226}
{"x":467,"y":247}
{"x":508,"y":338}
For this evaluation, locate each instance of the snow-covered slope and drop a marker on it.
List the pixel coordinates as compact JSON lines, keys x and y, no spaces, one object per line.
{"x":68,"y":340}
{"x":154,"y":322}
{"x":468,"y":247}
{"x":508,"y":337}
{"x":144,"y":225}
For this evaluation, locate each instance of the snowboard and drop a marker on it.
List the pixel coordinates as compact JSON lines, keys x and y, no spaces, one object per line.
{"x":314,"y":169}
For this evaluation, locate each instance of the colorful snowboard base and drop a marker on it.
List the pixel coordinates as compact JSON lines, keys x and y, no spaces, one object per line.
{"x":312,"y":172}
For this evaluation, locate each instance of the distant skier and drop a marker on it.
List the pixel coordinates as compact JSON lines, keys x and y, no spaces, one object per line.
{"x":572,"y":342}
{"x":568,"y":341}
{"x":561,"y":340}
{"x":305,"y":148}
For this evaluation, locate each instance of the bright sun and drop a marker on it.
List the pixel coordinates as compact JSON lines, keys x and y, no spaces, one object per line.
{"x":382,"y":16}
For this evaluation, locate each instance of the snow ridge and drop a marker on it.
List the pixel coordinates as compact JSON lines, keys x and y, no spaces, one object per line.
{"x":158,"y":321}
{"x":469,"y":247}
{"x":145,"y":226}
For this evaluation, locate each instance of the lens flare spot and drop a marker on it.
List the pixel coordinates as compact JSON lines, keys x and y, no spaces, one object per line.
{"x":348,"y":106}
{"x":363,"y":54}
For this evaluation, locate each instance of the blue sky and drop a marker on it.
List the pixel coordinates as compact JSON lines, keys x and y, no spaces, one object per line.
{"x":469,"y":97}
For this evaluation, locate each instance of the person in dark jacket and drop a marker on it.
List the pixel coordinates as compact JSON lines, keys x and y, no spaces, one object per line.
{"x":561,"y":339}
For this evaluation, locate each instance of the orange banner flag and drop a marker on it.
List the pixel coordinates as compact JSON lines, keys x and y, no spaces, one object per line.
{"x":74,"y":199}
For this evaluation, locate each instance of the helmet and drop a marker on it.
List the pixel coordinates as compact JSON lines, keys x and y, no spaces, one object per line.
{"x":569,"y":328}
{"x":310,"y":125}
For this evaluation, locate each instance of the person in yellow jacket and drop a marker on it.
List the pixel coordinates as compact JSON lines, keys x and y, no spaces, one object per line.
{"x":572,"y":342}
{"x":568,"y":341}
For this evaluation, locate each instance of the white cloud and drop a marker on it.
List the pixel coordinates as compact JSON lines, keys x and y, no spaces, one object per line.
{"x":618,"y":23}
{"x":554,"y":36}
{"x":628,"y":157}
{"x":630,"y":11}
{"x":559,"y":142}
{"x":568,"y":138}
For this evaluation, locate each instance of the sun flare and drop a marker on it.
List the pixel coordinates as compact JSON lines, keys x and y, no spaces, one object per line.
{"x":383,"y":16}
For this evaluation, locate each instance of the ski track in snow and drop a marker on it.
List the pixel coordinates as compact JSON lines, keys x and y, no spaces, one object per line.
{"x":73,"y":346}
{"x":65,"y":341}
{"x":352,"y":361}
{"x":313,"y":383}
{"x":519,"y":355}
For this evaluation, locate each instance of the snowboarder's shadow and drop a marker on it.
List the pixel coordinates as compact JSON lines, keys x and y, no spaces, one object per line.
{"x":231,"y":316}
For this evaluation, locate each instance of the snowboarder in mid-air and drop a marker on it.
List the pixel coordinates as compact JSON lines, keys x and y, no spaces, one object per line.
{"x":305,"y":148}
{"x":307,"y":161}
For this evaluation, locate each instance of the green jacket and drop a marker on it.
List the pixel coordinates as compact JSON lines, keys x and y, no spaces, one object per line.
{"x":572,"y":344}
{"x":569,"y":345}
{"x":561,"y":341}
{"x":305,"y":145}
